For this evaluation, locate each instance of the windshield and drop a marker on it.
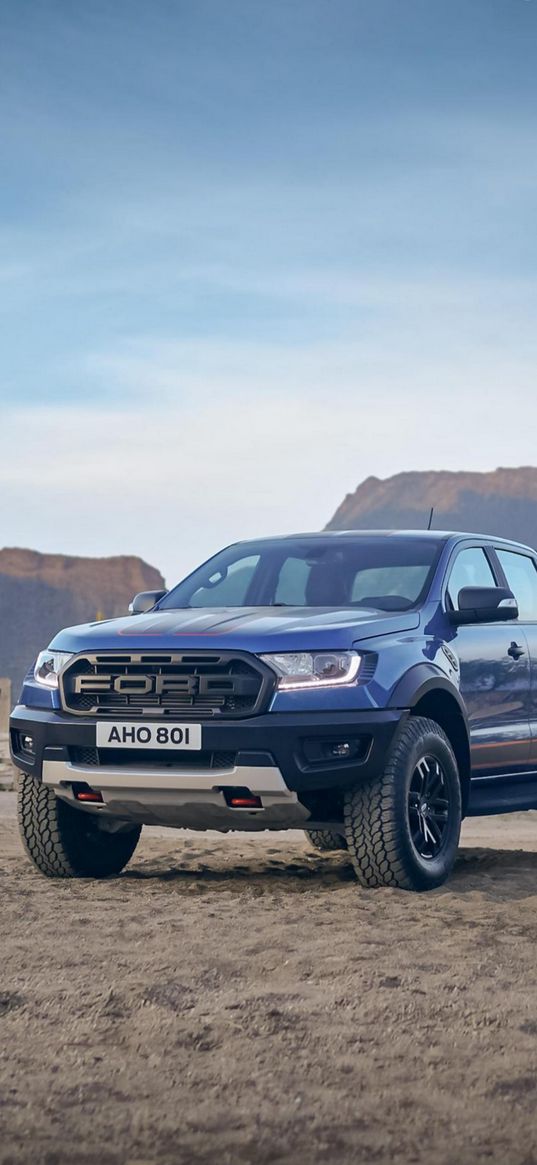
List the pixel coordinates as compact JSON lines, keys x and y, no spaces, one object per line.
{"x":386,"y":573}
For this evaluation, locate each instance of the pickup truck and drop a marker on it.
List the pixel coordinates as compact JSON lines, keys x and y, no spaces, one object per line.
{"x":372,"y":688}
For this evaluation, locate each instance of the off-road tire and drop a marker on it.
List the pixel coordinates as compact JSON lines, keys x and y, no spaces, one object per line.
{"x":377,"y":815}
{"x":64,"y":842}
{"x":326,"y":839}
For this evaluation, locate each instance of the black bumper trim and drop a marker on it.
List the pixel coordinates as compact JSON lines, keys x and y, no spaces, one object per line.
{"x":274,"y":738}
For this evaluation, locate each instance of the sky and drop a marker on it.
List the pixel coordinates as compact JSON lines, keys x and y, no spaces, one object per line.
{"x":252,"y":252}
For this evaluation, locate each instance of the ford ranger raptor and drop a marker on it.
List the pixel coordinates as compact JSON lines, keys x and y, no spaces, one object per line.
{"x":372,"y":688}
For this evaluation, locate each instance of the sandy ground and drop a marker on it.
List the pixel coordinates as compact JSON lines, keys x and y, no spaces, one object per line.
{"x":240,"y":1000}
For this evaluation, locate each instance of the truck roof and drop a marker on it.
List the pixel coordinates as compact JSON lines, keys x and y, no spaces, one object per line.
{"x":434,"y":535}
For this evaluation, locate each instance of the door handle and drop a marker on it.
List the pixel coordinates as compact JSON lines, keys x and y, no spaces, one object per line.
{"x":515,"y":651}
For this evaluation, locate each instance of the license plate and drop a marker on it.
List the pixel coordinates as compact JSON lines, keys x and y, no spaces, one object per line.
{"x":128,"y":734}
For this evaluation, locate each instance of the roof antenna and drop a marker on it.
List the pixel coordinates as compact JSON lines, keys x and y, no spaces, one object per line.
{"x":430,"y":518}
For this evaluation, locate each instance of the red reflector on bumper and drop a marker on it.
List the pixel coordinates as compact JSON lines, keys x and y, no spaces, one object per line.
{"x":83,"y":792}
{"x":246,"y":802}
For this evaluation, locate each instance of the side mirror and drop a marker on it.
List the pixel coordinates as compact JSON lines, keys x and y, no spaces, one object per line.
{"x":485,"y":605}
{"x":145,"y":601}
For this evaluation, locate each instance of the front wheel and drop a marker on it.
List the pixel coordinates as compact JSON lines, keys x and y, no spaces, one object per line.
{"x":403,"y":828}
{"x":64,"y":842}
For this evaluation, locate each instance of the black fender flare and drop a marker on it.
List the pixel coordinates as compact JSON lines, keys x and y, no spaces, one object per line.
{"x":418,"y":682}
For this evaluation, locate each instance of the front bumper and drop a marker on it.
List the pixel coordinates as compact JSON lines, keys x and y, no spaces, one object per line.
{"x":197,"y":799}
{"x":298,"y":744}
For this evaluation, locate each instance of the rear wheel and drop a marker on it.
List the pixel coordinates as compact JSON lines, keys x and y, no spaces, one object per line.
{"x":403,"y":828}
{"x":64,"y":842}
{"x":326,"y":839}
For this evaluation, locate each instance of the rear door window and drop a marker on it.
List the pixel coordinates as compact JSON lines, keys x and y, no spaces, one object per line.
{"x":521,"y":575}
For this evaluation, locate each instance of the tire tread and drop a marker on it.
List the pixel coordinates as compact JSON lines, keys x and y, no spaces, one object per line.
{"x":39,"y":828}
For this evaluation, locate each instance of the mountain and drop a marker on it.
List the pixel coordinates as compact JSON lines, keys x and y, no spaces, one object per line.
{"x":40,"y":593}
{"x":503,"y":502}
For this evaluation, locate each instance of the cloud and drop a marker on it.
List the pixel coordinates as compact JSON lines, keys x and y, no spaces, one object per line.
{"x":214,"y":442}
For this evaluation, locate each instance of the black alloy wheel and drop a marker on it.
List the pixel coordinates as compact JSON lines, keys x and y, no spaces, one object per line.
{"x":428,"y":807}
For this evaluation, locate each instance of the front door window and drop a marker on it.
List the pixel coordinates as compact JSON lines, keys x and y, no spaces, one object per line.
{"x":471,"y":569}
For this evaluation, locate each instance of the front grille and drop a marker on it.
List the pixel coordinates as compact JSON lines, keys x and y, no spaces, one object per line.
{"x":187,"y":685}
{"x":163,"y":758}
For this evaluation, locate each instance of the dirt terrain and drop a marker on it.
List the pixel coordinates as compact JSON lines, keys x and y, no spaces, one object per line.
{"x":241,"y":1000}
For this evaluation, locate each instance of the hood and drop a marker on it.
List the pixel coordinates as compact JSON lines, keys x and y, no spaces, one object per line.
{"x":256,"y":629}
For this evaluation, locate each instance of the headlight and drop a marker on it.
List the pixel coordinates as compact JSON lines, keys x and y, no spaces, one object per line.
{"x":48,"y":665}
{"x":319,"y":669}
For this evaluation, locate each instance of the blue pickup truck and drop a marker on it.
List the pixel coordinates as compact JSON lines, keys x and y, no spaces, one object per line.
{"x":371,"y":688}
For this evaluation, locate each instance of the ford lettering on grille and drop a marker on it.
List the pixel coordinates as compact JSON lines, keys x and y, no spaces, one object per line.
{"x":197,"y":684}
{"x":162,"y":685}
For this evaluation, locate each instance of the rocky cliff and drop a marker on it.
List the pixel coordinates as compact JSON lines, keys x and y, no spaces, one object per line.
{"x":40,"y":593}
{"x":503,"y":502}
